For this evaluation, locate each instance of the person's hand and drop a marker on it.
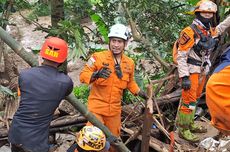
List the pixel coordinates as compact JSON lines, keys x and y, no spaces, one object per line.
{"x":186,"y":83}
{"x":102,"y":73}
{"x":143,"y":95}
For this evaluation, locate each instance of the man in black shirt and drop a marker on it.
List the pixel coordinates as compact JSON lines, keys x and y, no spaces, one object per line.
{"x":42,"y":88}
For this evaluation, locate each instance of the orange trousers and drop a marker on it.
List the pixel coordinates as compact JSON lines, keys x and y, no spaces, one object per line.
{"x":113,"y":123}
{"x":190,"y":97}
{"x":218,"y":100}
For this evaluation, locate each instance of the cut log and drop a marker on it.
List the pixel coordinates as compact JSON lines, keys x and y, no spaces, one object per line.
{"x":65,"y":128}
{"x":147,"y":123}
{"x":67,"y":120}
{"x":153,"y":143}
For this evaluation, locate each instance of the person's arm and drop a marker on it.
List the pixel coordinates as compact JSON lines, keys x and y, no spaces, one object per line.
{"x":91,"y":72}
{"x":223,"y":26}
{"x":70,"y":88}
{"x":133,"y":87}
{"x":88,"y":70}
{"x":186,"y":42}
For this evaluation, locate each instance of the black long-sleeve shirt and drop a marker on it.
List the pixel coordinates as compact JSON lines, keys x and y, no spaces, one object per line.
{"x":42,"y":89}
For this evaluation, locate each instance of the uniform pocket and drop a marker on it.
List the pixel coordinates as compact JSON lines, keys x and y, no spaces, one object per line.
{"x":124,"y":81}
{"x":102,"y":82}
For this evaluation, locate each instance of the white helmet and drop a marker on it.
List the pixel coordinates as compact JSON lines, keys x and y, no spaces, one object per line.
{"x":119,"y":31}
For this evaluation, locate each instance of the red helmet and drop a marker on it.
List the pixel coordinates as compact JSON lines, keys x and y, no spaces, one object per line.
{"x":54,"y":49}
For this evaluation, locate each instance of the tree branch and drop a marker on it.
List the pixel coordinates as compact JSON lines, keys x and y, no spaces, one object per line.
{"x":137,"y":36}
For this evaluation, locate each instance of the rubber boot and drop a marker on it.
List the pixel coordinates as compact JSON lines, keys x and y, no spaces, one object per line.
{"x":183,"y":122}
{"x":195,"y":128}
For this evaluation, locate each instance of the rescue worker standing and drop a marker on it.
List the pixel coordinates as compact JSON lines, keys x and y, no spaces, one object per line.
{"x":194,"y":47}
{"x":109,"y":73}
{"x":90,"y":138}
{"x":218,"y":96}
{"x":42,"y":89}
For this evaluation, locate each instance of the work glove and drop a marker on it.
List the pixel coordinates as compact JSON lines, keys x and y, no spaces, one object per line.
{"x":102,"y":73}
{"x":143,"y":95}
{"x":118,"y":71}
{"x":186,"y":83}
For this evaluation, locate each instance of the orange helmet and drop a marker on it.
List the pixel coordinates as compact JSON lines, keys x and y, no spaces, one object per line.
{"x":206,"y":6}
{"x":54,"y":49}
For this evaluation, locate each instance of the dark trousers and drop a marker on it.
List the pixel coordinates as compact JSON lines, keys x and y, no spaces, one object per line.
{"x":18,"y":148}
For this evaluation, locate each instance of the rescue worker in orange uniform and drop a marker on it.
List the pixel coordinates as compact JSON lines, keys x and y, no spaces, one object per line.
{"x":109,"y":73}
{"x":195,"y":44}
{"x":90,"y":139}
{"x":42,"y":89}
{"x":218,"y":95}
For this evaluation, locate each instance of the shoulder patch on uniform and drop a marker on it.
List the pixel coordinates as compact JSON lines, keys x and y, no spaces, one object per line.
{"x":91,"y":61}
{"x":184,"y":38}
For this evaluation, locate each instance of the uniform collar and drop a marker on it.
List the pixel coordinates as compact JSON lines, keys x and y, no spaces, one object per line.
{"x":199,"y":23}
{"x":110,"y":55}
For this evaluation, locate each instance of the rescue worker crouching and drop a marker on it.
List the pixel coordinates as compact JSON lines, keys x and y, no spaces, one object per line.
{"x":109,"y":73}
{"x":195,"y":44}
{"x":90,"y":139}
{"x":42,"y":88}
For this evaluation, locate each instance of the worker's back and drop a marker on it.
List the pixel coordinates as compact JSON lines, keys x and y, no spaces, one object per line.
{"x":42,"y":89}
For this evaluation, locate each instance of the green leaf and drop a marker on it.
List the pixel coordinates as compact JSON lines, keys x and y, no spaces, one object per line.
{"x":193,"y":2}
{"x":82,"y":92}
{"x":6,"y":90}
{"x":101,"y":26}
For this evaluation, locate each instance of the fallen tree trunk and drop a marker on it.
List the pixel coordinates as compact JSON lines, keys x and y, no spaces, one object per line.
{"x":17,"y":48}
{"x":65,"y":128}
{"x":67,"y":120}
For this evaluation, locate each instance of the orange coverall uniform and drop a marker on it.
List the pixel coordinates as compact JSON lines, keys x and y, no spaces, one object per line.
{"x":106,"y":94}
{"x":218,"y":95}
{"x":197,"y":73}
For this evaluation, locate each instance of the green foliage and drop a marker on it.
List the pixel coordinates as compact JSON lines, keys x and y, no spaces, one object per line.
{"x":81,"y":42}
{"x":78,"y":7}
{"x":107,"y":9}
{"x":193,"y":2}
{"x":39,"y":9}
{"x":128,"y":97}
{"x":7,"y":92}
{"x":103,"y":29}
{"x":74,"y":34}
{"x":82,"y":93}
{"x":22,"y":4}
